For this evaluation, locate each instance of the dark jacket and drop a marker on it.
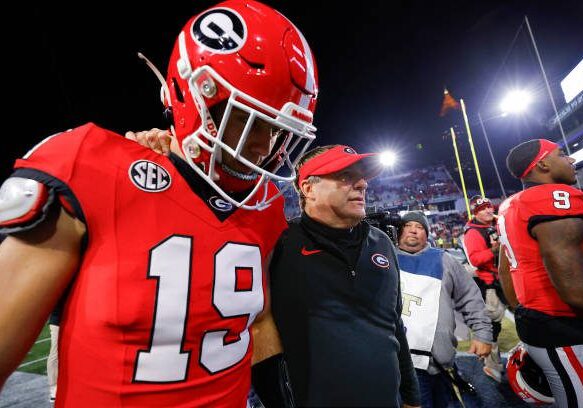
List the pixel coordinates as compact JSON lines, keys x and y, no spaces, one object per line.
{"x":336,"y":301}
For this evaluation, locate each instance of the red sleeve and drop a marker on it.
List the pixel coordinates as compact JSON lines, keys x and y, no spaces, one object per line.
{"x":477,"y":249}
{"x":59,"y":161}
{"x":550,"y":202}
{"x":56,"y":154}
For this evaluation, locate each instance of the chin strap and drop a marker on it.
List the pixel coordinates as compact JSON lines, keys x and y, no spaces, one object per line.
{"x":236,"y":174}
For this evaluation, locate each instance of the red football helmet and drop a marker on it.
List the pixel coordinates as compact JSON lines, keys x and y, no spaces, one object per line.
{"x":526,"y":378}
{"x":242,"y":55}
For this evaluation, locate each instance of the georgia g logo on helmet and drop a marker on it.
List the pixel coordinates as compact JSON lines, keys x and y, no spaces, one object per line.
{"x":222,"y":30}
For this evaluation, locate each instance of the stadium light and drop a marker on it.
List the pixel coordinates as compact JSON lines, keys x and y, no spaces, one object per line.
{"x":516,"y":101}
{"x":388,"y":158}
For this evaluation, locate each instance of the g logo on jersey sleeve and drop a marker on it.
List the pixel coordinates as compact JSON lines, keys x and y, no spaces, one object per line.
{"x":149,"y":176}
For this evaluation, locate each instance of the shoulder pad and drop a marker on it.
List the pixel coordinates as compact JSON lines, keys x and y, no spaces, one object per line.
{"x":23,"y":204}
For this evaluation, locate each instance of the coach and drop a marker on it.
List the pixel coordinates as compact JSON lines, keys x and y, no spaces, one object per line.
{"x":335,"y":291}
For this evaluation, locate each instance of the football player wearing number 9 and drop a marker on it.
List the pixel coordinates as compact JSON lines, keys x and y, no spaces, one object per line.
{"x":541,"y":231}
{"x":158,"y":313}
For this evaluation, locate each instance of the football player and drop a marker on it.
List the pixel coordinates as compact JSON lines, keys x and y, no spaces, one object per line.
{"x":162,"y":256}
{"x":541,"y":231}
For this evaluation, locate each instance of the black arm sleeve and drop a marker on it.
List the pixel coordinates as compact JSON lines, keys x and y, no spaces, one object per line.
{"x":271,"y":382}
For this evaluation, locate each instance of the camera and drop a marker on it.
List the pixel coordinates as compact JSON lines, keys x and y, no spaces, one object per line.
{"x":387,"y":222}
{"x":492,"y":233}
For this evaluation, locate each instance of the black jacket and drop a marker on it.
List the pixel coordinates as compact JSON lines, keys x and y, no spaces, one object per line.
{"x":336,"y":301}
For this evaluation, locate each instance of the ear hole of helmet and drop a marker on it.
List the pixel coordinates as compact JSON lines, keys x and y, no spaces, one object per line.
{"x":177,"y":91}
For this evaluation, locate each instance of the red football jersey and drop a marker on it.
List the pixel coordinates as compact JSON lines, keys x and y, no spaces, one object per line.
{"x":159,"y":311}
{"x":530,"y":278}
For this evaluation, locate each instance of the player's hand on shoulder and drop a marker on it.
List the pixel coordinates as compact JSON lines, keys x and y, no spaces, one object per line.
{"x":155,"y":139}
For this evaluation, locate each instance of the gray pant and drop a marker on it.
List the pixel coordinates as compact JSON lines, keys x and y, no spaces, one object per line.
{"x":563,"y":367}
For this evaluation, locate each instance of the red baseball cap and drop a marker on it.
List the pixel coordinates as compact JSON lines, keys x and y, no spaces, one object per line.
{"x":338,"y":158}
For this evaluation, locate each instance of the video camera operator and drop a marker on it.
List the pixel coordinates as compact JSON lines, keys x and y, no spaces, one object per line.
{"x":481,"y":245}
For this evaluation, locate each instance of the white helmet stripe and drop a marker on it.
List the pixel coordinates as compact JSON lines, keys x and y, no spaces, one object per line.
{"x":310,"y":76}
{"x":183,"y":64}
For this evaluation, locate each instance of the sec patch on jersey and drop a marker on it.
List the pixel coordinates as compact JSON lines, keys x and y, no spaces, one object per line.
{"x":149,"y":176}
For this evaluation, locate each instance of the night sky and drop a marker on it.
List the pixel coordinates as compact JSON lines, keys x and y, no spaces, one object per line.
{"x":382,"y":68}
